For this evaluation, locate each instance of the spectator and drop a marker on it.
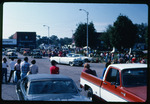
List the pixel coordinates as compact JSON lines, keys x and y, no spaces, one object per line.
{"x":33,"y":67}
{"x":106,"y":65}
{"x":17,"y":69}
{"x":12,"y":65}
{"x":88,"y":70}
{"x":24,"y":67}
{"x":133,"y":60}
{"x":4,"y":69}
{"x":54,"y":69}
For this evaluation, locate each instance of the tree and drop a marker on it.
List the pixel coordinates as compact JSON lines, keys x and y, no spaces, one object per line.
{"x":106,"y":37}
{"x":80,"y":35}
{"x":141,"y":32}
{"x":123,"y":34}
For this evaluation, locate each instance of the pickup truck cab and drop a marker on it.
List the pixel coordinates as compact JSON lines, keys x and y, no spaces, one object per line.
{"x":120,"y":83}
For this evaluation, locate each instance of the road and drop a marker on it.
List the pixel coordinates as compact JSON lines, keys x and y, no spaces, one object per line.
{"x":8,"y":90}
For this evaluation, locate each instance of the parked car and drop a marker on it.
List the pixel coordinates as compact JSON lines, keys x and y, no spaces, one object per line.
{"x":36,"y":53}
{"x":48,"y":87}
{"x":12,"y":55}
{"x":8,"y":51}
{"x":26,"y":52}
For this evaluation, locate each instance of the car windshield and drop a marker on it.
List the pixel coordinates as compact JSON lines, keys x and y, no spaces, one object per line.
{"x":52,"y":87}
{"x":134,"y":77}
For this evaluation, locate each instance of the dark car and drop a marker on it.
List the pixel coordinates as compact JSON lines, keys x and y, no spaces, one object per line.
{"x":48,"y":87}
{"x":36,"y":53}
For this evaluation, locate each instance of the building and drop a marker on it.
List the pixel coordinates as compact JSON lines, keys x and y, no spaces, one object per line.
{"x":25,"y":39}
{"x":9,"y":43}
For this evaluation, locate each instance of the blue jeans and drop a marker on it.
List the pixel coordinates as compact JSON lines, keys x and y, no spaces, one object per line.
{"x":4,"y":73}
{"x":23,"y":75}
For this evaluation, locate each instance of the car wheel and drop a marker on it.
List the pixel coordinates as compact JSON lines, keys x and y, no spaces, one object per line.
{"x":89,"y":93}
{"x":71,"y":63}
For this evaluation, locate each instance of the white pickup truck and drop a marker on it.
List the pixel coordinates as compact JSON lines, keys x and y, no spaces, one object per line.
{"x":67,"y":60}
{"x":120,"y":83}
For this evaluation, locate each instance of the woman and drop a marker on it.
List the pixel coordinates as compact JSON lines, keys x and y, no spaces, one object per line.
{"x":17,"y":69}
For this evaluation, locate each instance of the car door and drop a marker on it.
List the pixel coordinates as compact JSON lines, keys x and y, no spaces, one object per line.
{"x":24,"y":88}
{"x":111,"y":89}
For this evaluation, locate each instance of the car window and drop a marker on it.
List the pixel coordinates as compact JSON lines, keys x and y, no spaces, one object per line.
{"x":113,"y":76}
{"x":134,"y":77}
{"x":52,"y":87}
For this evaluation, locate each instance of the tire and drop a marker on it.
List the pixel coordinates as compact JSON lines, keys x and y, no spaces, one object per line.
{"x":90,"y":94}
{"x":71,"y":64}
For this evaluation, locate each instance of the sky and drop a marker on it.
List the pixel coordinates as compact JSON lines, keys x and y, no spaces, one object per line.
{"x":63,"y":18}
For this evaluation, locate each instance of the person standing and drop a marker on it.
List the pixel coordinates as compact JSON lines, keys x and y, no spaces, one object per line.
{"x":54,"y":69}
{"x":17,"y":69}
{"x":12,"y":65}
{"x":33,"y":67}
{"x":4,"y":69}
{"x":24,"y":67}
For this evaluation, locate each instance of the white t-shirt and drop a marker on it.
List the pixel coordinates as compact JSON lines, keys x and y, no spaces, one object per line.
{"x":12,"y":64}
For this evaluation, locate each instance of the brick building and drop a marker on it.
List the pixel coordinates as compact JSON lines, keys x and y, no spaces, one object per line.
{"x":25,"y":39}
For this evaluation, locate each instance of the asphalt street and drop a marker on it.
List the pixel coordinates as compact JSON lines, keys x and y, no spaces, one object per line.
{"x":8,"y":90}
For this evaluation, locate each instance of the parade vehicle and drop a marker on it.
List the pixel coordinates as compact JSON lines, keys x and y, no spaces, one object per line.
{"x":36,"y":53}
{"x":120,"y":83}
{"x":68,"y":60}
{"x":83,"y":58}
{"x":48,"y":87}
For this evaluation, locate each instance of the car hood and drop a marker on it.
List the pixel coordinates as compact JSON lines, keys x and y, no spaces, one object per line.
{"x":58,"y":97}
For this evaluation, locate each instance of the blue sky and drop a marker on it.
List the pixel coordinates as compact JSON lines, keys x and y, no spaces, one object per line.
{"x":63,"y":18}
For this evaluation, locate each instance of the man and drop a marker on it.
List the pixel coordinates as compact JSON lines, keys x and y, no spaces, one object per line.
{"x":24,"y":67}
{"x":12,"y":65}
{"x":88,"y":70}
{"x":54,"y":69}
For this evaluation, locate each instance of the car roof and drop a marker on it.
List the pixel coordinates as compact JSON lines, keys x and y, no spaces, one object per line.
{"x":128,"y":66}
{"x":47,"y":76}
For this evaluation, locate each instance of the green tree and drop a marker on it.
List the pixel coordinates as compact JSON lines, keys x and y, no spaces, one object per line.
{"x":141,"y":33}
{"x":123,"y":34}
{"x":80,"y":35}
{"x":106,"y":37}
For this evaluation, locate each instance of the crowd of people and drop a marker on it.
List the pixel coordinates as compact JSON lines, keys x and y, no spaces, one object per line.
{"x":21,"y":68}
{"x":18,"y":70}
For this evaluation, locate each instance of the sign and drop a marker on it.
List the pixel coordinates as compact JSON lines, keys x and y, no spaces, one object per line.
{"x":9,"y":42}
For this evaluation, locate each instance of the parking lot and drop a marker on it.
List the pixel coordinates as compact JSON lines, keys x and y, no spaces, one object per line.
{"x":8,"y":90}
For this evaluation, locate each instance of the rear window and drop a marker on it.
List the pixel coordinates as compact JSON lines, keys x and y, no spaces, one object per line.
{"x":52,"y":87}
{"x":134,"y":77}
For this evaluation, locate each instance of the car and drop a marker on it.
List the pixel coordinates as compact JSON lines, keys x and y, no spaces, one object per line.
{"x":26,"y":52}
{"x":72,"y":61}
{"x":8,"y":51}
{"x":12,"y":55}
{"x":83,"y":58}
{"x":36,"y":53}
{"x":48,"y":87}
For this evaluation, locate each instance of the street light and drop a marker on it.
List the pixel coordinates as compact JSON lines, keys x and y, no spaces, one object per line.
{"x":48,"y":32}
{"x":86,"y":29}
